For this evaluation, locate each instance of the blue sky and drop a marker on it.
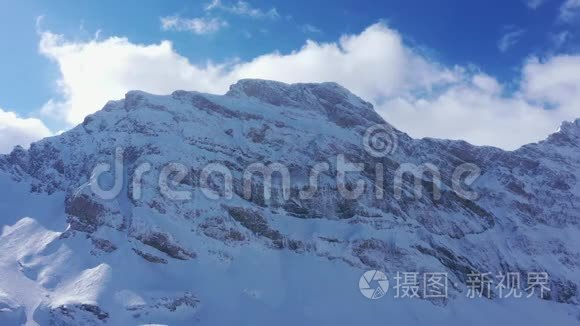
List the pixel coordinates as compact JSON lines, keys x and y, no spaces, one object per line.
{"x":465,"y":53}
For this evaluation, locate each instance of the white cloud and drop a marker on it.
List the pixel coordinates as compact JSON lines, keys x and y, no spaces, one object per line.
{"x":308,"y":28}
{"x":412,"y":91}
{"x":510,"y":38}
{"x":534,"y":4}
{"x":214,"y":4}
{"x":243,"y":8}
{"x":96,"y":71}
{"x":15,"y":130}
{"x":560,"y":39}
{"x":373,"y":63}
{"x":570,"y":10}
{"x":475,"y":111}
{"x":555,"y":81}
{"x":549,"y":92}
{"x":199,"y":26}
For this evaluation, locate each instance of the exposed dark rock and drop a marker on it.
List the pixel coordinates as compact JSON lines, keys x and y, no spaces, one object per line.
{"x":149,"y":257}
{"x":212,"y":108}
{"x":104,"y":245}
{"x":564,"y":291}
{"x":65,"y":315}
{"x":375,"y":253}
{"x":253,"y":221}
{"x":187,"y":299}
{"x":217,"y":229}
{"x":258,"y":135}
{"x":95,"y":310}
{"x":169,"y":303}
{"x":458,"y":265}
{"x":85,"y":214}
{"x":164,"y":243}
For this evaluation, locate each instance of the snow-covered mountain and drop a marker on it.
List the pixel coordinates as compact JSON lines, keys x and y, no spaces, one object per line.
{"x":71,"y":256}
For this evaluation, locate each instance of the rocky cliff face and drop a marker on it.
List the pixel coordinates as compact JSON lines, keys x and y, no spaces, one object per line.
{"x":69,"y":255}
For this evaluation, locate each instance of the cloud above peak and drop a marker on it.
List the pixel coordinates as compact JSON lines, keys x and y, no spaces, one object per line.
{"x":411,"y":90}
{"x":510,"y":38}
{"x":374,"y":64}
{"x":534,"y":4}
{"x":243,"y":8}
{"x":15,"y":130}
{"x":569,"y":11}
{"x":199,"y":26}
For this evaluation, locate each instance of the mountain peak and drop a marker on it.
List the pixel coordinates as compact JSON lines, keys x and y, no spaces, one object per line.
{"x":279,"y":93}
{"x":335,"y":101}
{"x":570,"y":127}
{"x":256,"y":87}
{"x":567,"y":134}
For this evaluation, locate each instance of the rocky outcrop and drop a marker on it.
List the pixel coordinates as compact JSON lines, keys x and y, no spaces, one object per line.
{"x":78,"y":314}
{"x":85,"y":213}
{"x":253,"y":221}
{"x":165,"y":244}
{"x":149,"y":257}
